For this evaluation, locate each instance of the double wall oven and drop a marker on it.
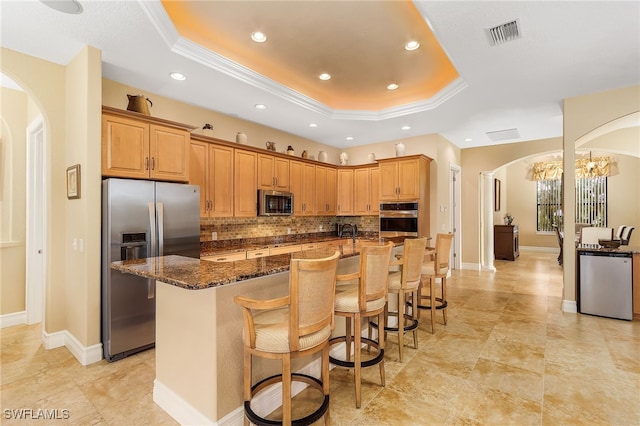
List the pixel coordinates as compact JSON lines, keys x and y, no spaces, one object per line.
{"x":399,"y":219}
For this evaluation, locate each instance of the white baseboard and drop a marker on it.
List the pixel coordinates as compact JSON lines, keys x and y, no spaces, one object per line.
{"x":14,"y":318}
{"x":472,"y":266}
{"x":183,"y":412}
{"x":268,"y":400}
{"x":540,"y":249}
{"x":570,"y":306}
{"x":85,"y":355}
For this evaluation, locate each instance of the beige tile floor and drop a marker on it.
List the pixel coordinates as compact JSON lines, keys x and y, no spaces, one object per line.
{"x":508,"y":356}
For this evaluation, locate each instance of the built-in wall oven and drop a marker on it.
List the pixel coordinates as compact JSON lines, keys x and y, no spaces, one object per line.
{"x":399,"y":219}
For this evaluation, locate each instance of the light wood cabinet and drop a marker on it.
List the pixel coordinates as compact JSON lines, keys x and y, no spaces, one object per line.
{"x":345,"y":192}
{"x":326,"y":181}
{"x":273,"y":173}
{"x":141,"y":147}
{"x":303,"y":186}
{"x":366,"y":200}
{"x":403,"y":179}
{"x":227,"y":257}
{"x":211,"y":167}
{"x":245,"y":202}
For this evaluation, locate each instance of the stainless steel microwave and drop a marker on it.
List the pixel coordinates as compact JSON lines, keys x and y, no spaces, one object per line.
{"x":275,"y":203}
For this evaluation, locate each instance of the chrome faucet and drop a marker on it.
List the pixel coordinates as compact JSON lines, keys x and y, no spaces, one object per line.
{"x":348,"y":227}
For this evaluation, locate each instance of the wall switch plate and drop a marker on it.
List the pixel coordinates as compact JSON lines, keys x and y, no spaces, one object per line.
{"x":214,"y":236}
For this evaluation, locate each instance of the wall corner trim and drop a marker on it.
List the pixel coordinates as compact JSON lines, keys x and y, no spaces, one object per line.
{"x":569,"y":306}
{"x":85,"y":355}
{"x":183,"y":412}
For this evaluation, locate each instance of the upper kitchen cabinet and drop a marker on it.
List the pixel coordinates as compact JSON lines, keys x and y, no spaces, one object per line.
{"x":211,"y":167}
{"x":326,"y":178}
{"x":404,"y":179}
{"x":273,"y":173}
{"x":345,"y":192}
{"x":366,"y":188}
{"x":303,"y":187}
{"x":245,"y":183}
{"x":138,"y":146}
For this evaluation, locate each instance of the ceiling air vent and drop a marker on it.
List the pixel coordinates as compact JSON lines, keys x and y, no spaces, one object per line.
{"x":504,"y":33}
{"x":503,"y":135}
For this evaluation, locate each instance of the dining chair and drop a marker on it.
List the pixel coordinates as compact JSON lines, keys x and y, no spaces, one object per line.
{"x":560,"y":242}
{"x":436,"y":268}
{"x":289,"y":327}
{"x":404,"y":285}
{"x":364,"y":296}
{"x":626,"y":236}
{"x":620,"y":231}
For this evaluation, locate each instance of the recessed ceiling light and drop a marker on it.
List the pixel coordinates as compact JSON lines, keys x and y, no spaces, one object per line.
{"x":258,"y":37}
{"x":72,"y":7}
{"x":412,"y":45}
{"x":261,"y":106}
{"x":392,"y":86}
{"x":324,"y":76}
{"x":406,"y":127}
{"x":313,"y":125}
{"x":177,"y":76}
{"x":349,"y":138}
{"x":468,"y":140}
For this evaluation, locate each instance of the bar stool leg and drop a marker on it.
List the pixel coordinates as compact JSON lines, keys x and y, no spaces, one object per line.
{"x":357,"y":352}
{"x":432,"y":296}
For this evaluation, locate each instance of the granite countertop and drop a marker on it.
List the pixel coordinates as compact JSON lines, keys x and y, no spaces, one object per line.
{"x":196,"y":274}
{"x":599,"y":248}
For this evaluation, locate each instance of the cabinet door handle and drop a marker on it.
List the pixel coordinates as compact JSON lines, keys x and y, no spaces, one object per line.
{"x":153,"y":163}
{"x":146,"y":163}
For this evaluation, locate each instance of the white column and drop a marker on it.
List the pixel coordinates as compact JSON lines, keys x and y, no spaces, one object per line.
{"x":486,"y":221}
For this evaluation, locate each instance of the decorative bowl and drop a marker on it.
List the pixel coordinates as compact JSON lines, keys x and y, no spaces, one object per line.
{"x":609,"y":243}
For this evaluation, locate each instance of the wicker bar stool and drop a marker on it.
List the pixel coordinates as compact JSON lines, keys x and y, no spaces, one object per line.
{"x":364,"y":299}
{"x":294,"y":326}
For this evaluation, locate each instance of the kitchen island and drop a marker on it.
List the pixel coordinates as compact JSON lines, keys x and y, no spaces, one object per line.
{"x":199,"y":328}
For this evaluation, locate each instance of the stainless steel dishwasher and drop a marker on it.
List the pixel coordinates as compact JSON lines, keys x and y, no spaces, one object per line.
{"x":606,"y":284}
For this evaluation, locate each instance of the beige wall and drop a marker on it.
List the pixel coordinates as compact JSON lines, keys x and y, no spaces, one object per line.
{"x":69,"y":100}
{"x":13,"y":161}
{"x":490,"y":158}
{"x":44,"y":83}
{"x":83,"y":107}
{"x":225,"y":127}
{"x":583,"y":117}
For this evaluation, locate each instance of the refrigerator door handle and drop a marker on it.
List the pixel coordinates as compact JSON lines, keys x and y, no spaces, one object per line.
{"x":151,"y":289}
{"x":160,"y":229}
{"x":152,"y":228}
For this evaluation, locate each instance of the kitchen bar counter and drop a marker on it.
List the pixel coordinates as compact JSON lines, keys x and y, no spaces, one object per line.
{"x":599,"y":248}
{"x":196,"y":274}
{"x":199,"y":333}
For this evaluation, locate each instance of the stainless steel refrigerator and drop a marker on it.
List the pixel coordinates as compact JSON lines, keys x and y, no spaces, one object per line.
{"x":141,"y":219}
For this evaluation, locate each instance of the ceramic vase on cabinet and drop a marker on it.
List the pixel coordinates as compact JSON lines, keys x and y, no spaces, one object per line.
{"x":372,"y":157}
{"x":322,"y":156}
{"x":399,"y":149}
{"x":344,"y":159}
{"x":241,"y":138}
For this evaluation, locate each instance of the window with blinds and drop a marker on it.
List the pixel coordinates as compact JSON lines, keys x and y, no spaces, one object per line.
{"x":549,"y":204}
{"x":591,"y":202}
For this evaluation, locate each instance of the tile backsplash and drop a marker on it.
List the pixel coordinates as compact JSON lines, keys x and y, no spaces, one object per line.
{"x":233,"y":228}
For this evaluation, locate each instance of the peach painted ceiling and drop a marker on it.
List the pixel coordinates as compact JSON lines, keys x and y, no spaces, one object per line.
{"x":362,"y":48}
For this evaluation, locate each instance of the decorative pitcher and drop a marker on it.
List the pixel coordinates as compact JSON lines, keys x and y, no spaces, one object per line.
{"x":138,"y":103}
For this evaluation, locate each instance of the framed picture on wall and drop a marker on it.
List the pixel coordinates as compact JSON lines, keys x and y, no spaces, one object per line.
{"x":496,"y":195}
{"x":73,"y":182}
